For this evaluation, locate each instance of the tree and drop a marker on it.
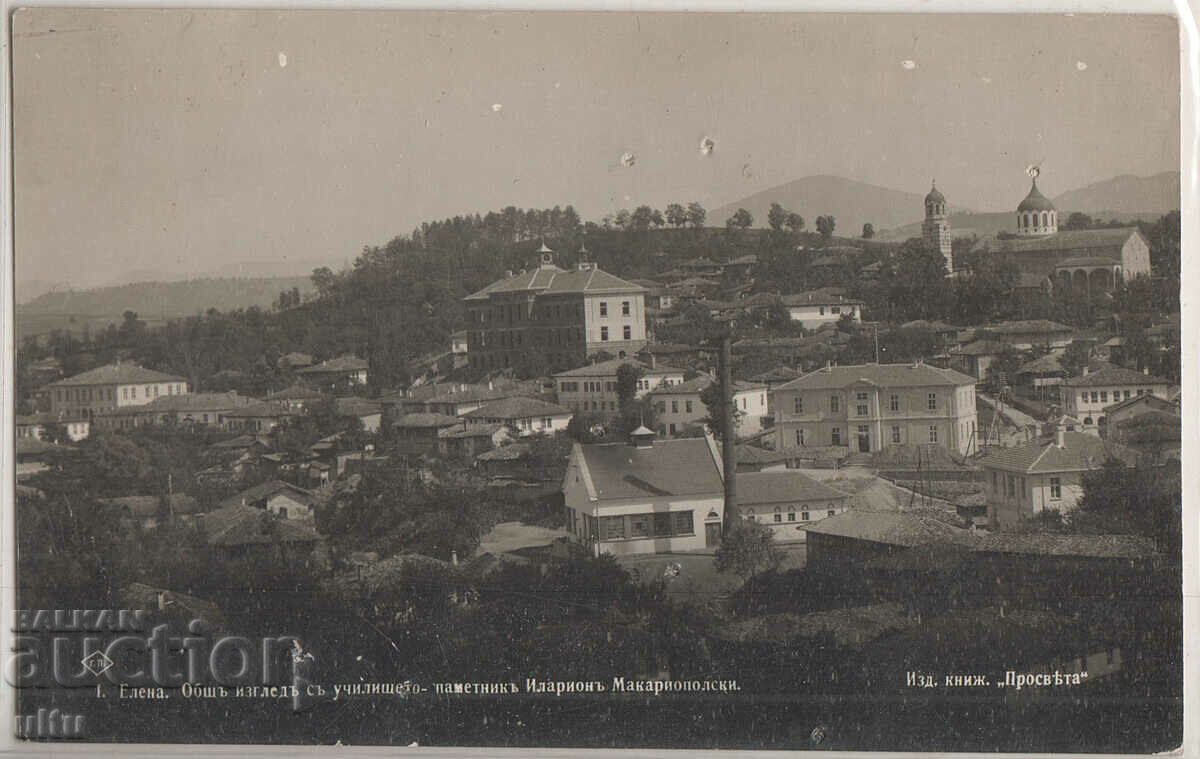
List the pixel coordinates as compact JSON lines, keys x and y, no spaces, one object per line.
{"x":696,"y":215}
{"x":748,"y":549}
{"x":642,"y":218}
{"x":868,"y":231}
{"x":1079,"y":220}
{"x":714,"y":402}
{"x":741,"y":219}
{"x":795,"y":222}
{"x":1075,"y":357}
{"x":826,"y":225}
{"x":677,"y":215}
{"x":777,"y":217}
{"x":627,"y":380}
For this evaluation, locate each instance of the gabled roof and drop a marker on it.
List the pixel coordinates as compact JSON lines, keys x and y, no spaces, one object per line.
{"x":752,"y":454}
{"x":698,"y":384}
{"x":684,"y":467}
{"x":609,"y":369}
{"x":1081,"y":452}
{"x":260,"y":410}
{"x":1153,"y":401}
{"x":778,"y":374}
{"x":983,"y":348}
{"x":553,"y":280}
{"x":1047,"y":364}
{"x":516,"y":408}
{"x":359,"y":407}
{"x":186,"y":403}
{"x":295,"y":393}
{"x":1103,"y":241}
{"x":339,"y":364}
{"x":778,"y":487}
{"x":1025,"y":326}
{"x":268,"y":489}
{"x":818,"y":298}
{"x":884,"y":375}
{"x":469,"y":431}
{"x":117,"y":374}
{"x":246,"y":525}
{"x":890,"y":527}
{"x":1050,"y":544}
{"x":425,"y":420}
{"x":1114,"y":375}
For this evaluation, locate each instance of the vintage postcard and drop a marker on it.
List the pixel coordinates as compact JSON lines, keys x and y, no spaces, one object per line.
{"x":631,"y":380}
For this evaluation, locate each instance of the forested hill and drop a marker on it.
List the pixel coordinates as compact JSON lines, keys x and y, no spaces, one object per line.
{"x":166,"y":299}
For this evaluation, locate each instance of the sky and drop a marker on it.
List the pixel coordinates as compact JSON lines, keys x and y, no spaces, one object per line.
{"x":196,"y":141}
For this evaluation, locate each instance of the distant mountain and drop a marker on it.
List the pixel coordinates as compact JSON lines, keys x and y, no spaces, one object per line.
{"x":157,"y":300}
{"x":29,"y":289}
{"x":851,"y":203}
{"x":1126,"y":194}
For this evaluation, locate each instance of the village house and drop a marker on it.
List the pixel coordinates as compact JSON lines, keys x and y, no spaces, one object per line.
{"x":1085,"y":397}
{"x":678,"y":407}
{"x":456,"y":399}
{"x":282,"y":499}
{"x":787,"y":502}
{"x":1033,"y":333}
{"x":418,"y":433}
{"x":870,"y":406}
{"x":812,"y":309}
{"x":149,"y":510}
{"x":773,"y":378}
{"x":564,"y":315}
{"x":645,"y":495}
{"x":110,"y":387}
{"x":849,"y":540}
{"x":1047,"y":473}
{"x":46,"y":426}
{"x":593,"y":388}
{"x":366,"y":411}
{"x":343,"y":370}
{"x":525,"y":416}
{"x":976,"y":357}
{"x":467,"y":441}
{"x":296,"y":397}
{"x":294,"y":361}
{"x":208,"y":409}
{"x":238,"y":531}
{"x":259,"y":418}
{"x":1046,"y":371}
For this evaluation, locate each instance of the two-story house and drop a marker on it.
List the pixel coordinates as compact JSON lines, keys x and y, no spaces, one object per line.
{"x":593,"y":388}
{"x":107,"y":388}
{"x":787,"y":501}
{"x":813,"y":309}
{"x":1085,"y":397}
{"x":565,"y":316}
{"x":525,"y":416}
{"x":870,"y":406}
{"x":645,"y":495}
{"x":1047,"y":473}
{"x":678,"y":406}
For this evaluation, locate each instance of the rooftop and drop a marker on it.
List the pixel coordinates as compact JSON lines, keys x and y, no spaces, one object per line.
{"x":245,"y":525}
{"x":1114,"y":375}
{"x":983,"y":348}
{"x":553,"y":280}
{"x":818,"y":298}
{"x":295,"y":393}
{"x":890,"y":527}
{"x":117,"y":374}
{"x":424,"y":419}
{"x":1103,"y":241}
{"x":883,"y":375}
{"x":339,"y":364}
{"x":684,"y":467}
{"x":266,"y":490}
{"x":1049,"y":544}
{"x":190,"y":402}
{"x":1081,"y":452}
{"x":698,"y":384}
{"x":260,"y":410}
{"x":609,"y":369}
{"x":778,"y":487}
{"x":516,"y":408}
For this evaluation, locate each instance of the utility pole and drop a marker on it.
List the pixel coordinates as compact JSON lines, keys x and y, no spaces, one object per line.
{"x":727,"y":448}
{"x":877,"y":343}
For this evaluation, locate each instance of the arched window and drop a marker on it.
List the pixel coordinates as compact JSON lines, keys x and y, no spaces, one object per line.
{"x":1045,"y":218}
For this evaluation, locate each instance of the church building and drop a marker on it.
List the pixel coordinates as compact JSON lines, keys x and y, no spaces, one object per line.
{"x":936,"y":227}
{"x":1084,"y":262}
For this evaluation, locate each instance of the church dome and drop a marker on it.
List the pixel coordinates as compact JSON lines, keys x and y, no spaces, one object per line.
{"x":934,"y":196}
{"x":1035,"y":201}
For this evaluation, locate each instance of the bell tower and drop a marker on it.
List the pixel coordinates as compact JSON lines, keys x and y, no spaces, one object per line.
{"x":936,"y":227}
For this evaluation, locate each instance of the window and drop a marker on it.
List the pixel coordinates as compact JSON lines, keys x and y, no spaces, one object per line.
{"x":803,"y":516}
{"x":133,"y":392}
{"x":627,"y":331}
{"x":604,"y":334}
{"x":821,"y":310}
{"x":610,"y":386}
{"x":1083,"y":397}
{"x":933,"y":435}
{"x":834,"y":403}
{"x":1055,"y":488}
{"x":603,"y":308}
{"x":661,"y":407}
{"x":801,"y":437}
{"x":672,"y":429}
{"x":546,"y":423}
{"x":743,"y":404}
{"x":791,"y":516}
{"x":674,"y":407}
{"x":1104,"y":396}
{"x":1126,"y":395}
{"x":835,"y":310}
{"x":283,"y":514}
{"x":933,"y":401}
{"x":831,"y":513}
{"x":1011,"y":482}
{"x":778,"y":515}
{"x":895,"y":434}
{"x":798,"y":402}
{"x":861,"y":408}
{"x":625,"y":308}
{"x":612,"y":528}
{"x":681,"y":523}
{"x":835,"y":436}
{"x":639,"y":526}
{"x":687,"y":406}
{"x":1095,"y":397}
{"x":894,"y":402}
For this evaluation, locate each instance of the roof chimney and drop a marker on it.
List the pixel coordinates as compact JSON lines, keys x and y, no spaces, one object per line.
{"x":1060,"y":435}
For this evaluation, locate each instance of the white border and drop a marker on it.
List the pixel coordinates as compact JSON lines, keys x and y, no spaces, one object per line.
{"x":1190,"y":183}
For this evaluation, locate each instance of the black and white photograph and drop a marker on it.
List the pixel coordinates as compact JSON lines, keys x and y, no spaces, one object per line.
{"x":640,"y":380}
